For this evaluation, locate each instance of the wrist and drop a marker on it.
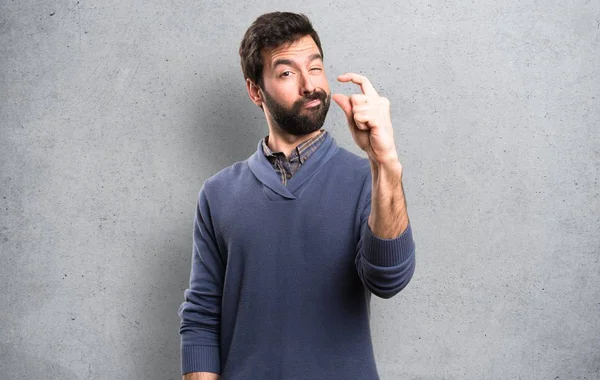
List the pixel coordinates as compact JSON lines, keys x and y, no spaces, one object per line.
{"x":389,"y":168}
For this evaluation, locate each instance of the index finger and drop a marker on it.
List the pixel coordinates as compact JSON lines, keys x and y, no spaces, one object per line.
{"x":365,"y":85}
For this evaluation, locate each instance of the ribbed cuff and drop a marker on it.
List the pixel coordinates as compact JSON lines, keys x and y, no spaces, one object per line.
{"x":200,"y":359}
{"x":388,"y":252}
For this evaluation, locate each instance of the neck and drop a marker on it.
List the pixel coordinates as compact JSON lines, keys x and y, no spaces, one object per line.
{"x":281,"y":141}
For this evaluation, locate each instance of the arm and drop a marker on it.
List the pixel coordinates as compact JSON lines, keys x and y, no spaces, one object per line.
{"x":386,"y":251}
{"x":385,"y":258}
{"x":368,"y":116}
{"x":389,"y":217}
{"x":201,"y":312}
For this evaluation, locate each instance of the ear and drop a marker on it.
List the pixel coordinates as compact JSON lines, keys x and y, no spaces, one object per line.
{"x":254,"y":93}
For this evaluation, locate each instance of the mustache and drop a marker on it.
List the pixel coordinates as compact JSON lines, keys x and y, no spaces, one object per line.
{"x":315,"y":95}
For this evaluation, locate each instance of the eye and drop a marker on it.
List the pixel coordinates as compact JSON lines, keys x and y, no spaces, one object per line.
{"x":316,"y":69}
{"x":286,"y":74}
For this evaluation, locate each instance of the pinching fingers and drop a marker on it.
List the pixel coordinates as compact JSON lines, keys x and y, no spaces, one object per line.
{"x":365,"y":85}
{"x":358,"y":99}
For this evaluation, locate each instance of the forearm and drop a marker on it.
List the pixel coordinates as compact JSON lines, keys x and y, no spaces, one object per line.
{"x":388,"y":217}
{"x":201,"y":376}
{"x":201,"y":311}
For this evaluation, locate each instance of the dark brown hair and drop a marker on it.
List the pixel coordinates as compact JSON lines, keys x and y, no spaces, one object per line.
{"x":270,"y":31}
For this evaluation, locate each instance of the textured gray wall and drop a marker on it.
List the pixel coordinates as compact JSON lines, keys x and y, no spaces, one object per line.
{"x":113,"y":113}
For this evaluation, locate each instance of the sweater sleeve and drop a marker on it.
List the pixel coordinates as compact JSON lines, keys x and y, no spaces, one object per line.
{"x":385,"y":266}
{"x":201,"y":311}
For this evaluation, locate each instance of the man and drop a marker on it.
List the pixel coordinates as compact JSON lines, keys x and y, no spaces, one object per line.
{"x":290,"y":243}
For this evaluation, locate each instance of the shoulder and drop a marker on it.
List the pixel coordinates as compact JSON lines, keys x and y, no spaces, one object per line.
{"x":350,"y":157}
{"x":351,"y":164}
{"x":223,"y":180}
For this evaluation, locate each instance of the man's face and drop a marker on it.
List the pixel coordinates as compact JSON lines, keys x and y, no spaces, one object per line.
{"x":295,"y":91}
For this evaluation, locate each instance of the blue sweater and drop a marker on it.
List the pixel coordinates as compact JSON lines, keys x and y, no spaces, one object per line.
{"x":282,"y":276}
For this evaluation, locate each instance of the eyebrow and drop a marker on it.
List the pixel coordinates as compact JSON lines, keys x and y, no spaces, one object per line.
{"x":289,"y":62}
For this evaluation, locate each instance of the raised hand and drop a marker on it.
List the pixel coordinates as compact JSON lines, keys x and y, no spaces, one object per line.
{"x":368,"y":116}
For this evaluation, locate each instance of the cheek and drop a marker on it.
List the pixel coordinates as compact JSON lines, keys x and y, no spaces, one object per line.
{"x":284,"y":94}
{"x":278,"y":91}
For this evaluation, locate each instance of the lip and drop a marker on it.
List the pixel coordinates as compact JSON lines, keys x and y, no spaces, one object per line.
{"x":312,"y":103}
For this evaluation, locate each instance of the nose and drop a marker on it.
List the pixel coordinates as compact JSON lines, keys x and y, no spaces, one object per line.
{"x":306,"y":84}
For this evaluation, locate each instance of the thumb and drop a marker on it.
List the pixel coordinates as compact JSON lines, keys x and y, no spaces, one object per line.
{"x":344,"y":102}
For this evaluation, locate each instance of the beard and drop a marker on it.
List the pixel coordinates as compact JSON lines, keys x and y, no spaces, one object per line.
{"x":297,"y":120}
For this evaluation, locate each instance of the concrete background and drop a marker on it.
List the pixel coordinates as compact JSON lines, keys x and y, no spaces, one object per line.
{"x":113,"y":113}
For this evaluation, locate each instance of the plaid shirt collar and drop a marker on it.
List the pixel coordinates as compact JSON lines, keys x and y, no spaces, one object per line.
{"x":287,"y":167}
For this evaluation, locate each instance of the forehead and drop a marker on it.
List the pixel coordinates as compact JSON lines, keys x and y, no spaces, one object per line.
{"x":299,"y":50}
